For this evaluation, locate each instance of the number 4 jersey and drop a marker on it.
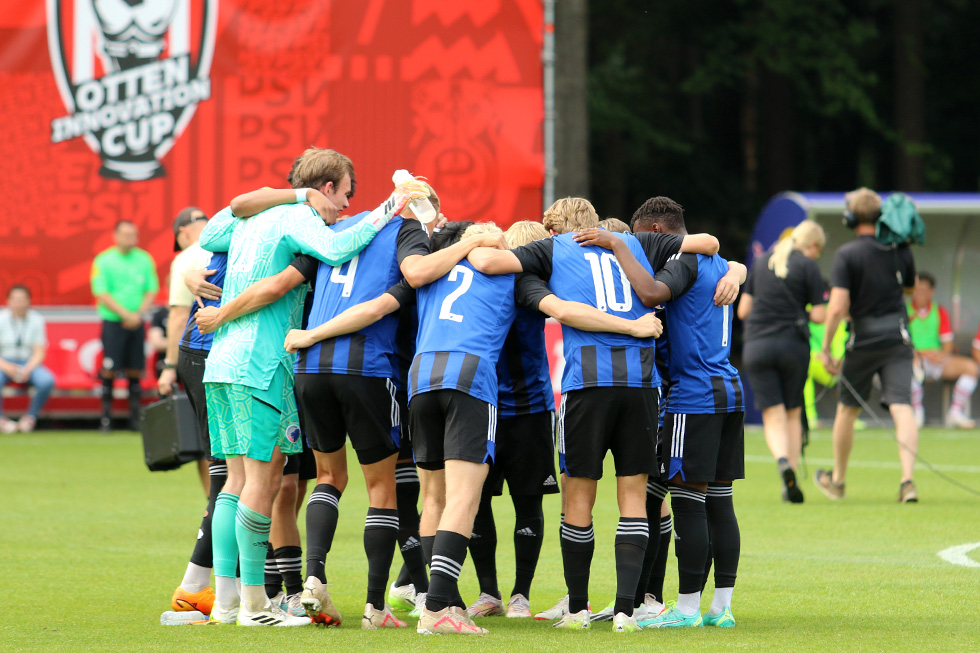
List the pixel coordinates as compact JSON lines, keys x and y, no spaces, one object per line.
{"x":464,"y":318}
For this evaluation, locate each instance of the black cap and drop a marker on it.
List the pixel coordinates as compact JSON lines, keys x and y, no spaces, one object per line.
{"x":184,"y":218}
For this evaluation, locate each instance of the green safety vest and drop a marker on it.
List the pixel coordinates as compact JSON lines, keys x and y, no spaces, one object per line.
{"x":925,"y":332}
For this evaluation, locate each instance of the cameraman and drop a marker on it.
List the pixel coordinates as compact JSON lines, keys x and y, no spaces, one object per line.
{"x":868,"y":279}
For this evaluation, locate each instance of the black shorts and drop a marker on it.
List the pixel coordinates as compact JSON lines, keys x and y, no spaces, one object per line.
{"x":302,"y":463}
{"x":893,"y":365}
{"x":405,"y":444}
{"x":122,"y":349}
{"x":451,"y":425}
{"x":777,"y":369}
{"x":333,"y":406}
{"x":596,"y":420}
{"x":704,"y":448}
{"x":190,"y":372}
{"x":524,"y":456}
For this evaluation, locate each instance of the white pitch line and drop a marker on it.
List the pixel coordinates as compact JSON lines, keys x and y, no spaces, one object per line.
{"x":957,"y":555}
{"x":873,"y":464}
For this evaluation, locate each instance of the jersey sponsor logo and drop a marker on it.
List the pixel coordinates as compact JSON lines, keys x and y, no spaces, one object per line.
{"x":131,"y":75}
{"x":292,"y":433}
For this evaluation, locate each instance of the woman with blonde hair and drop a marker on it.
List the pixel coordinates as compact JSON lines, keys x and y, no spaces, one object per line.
{"x":776,"y":350}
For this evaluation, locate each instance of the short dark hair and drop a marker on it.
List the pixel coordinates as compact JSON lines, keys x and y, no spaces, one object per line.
{"x":659,"y":210}
{"x":19,"y":286}
{"x":928,"y":278}
{"x":120,"y":223}
{"x":450,"y":234}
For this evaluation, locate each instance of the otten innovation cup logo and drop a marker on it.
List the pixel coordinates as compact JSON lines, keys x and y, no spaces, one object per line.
{"x":131,"y":73}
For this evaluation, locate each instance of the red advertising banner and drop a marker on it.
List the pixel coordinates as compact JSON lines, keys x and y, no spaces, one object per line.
{"x":134,"y":109}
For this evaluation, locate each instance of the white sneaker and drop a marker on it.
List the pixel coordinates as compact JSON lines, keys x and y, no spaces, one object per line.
{"x":316,"y":601}
{"x":375,"y":618}
{"x":606,"y":614}
{"x":518,"y":607}
{"x":956,"y":419}
{"x":652,"y":605}
{"x":640,"y":612}
{"x":7,"y":425}
{"x":581,"y":620}
{"x":221,"y":615}
{"x":401,"y":597}
{"x":419,"y":605}
{"x":486,"y":606}
{"x":624,"y":624}
{"x":270,"y":615}
{"x":559,"y":610}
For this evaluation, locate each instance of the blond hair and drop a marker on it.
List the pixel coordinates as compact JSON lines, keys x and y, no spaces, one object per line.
{"x":316,"y":167}
{"x":481,"y":228}
{"x":523,"y":232}
{"x":615,"y":224}
{"x":805,"y":234}
{"x":570,"y":214}
{"x":864,"y":203}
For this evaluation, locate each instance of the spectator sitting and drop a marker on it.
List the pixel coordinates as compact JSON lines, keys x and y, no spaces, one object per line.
{"x":932,"y":337}
{"x":23,"y":344}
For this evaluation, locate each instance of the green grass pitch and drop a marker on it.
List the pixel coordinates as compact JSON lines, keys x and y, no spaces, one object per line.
{"x":93,"y":546}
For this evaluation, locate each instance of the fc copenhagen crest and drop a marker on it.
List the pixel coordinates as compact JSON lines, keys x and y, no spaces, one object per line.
{"x":131,"y":73}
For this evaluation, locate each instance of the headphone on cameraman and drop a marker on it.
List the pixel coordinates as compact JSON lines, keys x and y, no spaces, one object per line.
{"x":850,"y":220}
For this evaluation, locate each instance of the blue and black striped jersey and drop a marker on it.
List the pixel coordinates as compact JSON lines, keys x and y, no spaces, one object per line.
{"x":703,"y":381}
{"x":193,"y":338}
{"x":523,"y":376}
{"x":370,"y":351}
{"x":464,"y":318}
{"x":592,"y":276}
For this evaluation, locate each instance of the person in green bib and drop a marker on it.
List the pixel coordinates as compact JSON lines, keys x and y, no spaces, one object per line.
{"x":124,"y":283}
{"x":932,"y":337}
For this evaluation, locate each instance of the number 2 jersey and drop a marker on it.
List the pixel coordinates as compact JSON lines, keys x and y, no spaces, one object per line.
{"x":464,"y":318}
{"x":370,"y":351}
{"x":703,"y":380}
{"x":592,"y":276}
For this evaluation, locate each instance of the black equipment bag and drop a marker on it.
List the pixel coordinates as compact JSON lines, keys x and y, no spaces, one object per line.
{"x":170,"y":433}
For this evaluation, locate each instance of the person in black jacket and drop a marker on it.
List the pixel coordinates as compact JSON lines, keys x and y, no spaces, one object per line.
{"x":776,"y":353}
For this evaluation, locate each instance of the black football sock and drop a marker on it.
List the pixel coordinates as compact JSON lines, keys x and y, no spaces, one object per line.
{"x":380,"y":535}
{"x":448,"y":555}
{"x":273,"y":579}
{"x":577,"y":547}
{"x":427,"y":543}
{"x":321,"y":524}
{"x":691,"y":537}
{"x":725,"y":537}
{"x":632,"y":534}
{"x":483,"y":548}
{"x":528,"y":538}
{"x":289,"y":559}
{"x":135,"y":400}
{"x":656,"y":584}
{"x":203,"y":555}
{"x":655,"y":496}
{"x":407,"y":495}
{"x":107,"y":397}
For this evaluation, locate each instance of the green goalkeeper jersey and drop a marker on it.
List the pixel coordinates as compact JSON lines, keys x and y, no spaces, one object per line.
{"x":248,"y":350}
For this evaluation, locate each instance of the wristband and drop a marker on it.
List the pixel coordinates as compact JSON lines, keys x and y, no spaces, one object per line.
{"x":169,"y":366}
{"x":301,"y":195}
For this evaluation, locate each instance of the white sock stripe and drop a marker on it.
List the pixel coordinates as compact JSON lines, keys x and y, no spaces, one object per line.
{"x":687,"y":493}
{"x":323,"y":497}
{"x":657,"y":489}
{"x":725,"y":491}
{"x":666,"y":527}
{"x":445,"y":565}
{"x":577,"y":535}
{"x":633,"y":531}
{"x":381,"y":521}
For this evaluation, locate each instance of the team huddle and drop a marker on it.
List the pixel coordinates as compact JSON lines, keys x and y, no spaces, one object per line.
{"x":422,"y":343}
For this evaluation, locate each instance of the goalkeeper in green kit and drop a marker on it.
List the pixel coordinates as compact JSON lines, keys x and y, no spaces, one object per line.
{"x":249,"y":380}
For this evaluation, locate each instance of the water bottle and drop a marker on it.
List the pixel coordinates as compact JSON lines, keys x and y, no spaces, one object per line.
{"x":171,"y":618}
{"x":422,"y":208}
